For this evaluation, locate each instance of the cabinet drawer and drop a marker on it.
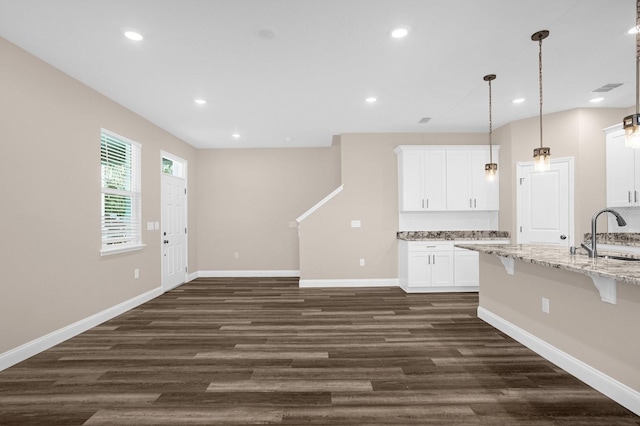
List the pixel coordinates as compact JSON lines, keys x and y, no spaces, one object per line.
{"x":422,"y":246}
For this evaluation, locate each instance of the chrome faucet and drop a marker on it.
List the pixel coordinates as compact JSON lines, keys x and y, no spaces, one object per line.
{"x":591,"y":246}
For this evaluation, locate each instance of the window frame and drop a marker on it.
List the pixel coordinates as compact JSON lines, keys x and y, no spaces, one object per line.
{"x":132,"y":180}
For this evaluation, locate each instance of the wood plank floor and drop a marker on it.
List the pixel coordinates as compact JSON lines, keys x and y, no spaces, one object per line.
{"x":246,"y":351}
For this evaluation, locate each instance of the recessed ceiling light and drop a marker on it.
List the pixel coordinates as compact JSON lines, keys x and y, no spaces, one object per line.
{"x":266,"y":33}
{"x":518,"y":101}
{"x":236,"y":135}
{"x":371,"y":100}
{"x":399,"y":33}
{"x":132,"y":35}
{"x":200,"y":101}
{"x":596,"y":100}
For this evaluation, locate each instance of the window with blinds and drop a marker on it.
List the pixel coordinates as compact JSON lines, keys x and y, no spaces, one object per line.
{"x":121,"y":194}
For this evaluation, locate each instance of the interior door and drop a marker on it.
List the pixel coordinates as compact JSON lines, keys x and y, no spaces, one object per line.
{"x":174,"y":231}
{"x":545,"y":204}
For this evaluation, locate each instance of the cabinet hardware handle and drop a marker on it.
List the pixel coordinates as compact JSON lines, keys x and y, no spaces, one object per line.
{"x":470,"y":205}
{"x":629,"y":192}
{"x":474,"y":203}
{"x":428,"y":259}
{"x":427,"y":203}
{"x":635,"y":196}
{"x":434,"y":259}
{"x":423,"y":201}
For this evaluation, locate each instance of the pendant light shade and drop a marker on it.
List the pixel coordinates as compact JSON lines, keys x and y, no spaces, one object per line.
{"x":631,"y":123}
{"x":541,"y":155}
{"x":491,"y":168}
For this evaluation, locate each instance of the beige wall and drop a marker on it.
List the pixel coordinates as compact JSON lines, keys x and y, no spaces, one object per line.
{"x":329,"y":247}
{"x":579,"y":323}
{"x":247,"y":199}
{"x":575,"y":133}
{"x":52,"y":272}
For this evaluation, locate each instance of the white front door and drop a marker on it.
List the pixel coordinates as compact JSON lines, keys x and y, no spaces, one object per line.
{"x":545,"y":204}
{"x":174,"y":231}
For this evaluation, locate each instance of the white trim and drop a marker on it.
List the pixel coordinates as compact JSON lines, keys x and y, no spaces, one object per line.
{"x":619,"y":392}
{"x":192,"y":276}
{"x":110,"y":251}
{"x":248,"y":273}
{"x":446,"y":289}
{"x":320,"y":204}
{"x":34,"y":347}
{"x":358,"y":282}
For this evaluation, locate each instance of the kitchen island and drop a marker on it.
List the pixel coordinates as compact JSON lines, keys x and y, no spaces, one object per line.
{"x":581,"y":314}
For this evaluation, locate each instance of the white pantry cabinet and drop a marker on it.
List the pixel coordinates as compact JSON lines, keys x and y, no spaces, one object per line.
{"x":467,"y":187}
{"x":421,"y":179}
{"x":623,"y":172}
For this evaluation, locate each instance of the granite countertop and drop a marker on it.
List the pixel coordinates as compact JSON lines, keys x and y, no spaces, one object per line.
{"x":616,"y":238}
{"x":452,"y":235}
{"x":559,"y":257}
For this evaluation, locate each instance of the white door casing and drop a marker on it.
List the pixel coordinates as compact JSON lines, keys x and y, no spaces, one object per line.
{"x":545,"y":204}
{"x":174,"y":231}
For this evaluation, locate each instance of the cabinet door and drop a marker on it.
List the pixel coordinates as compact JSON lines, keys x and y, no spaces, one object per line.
{"x":621,"y":189}
{"x":411,"y":181}
{"x":459,"y":194}
{"x":466,"y":268}
{"x":485,"y":193}
{"x":441,"y":269}
{"x":419,"y":270}
{"x":434,"y":183}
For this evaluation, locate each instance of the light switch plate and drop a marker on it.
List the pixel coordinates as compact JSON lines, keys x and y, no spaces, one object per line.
{"x":355,"y":224}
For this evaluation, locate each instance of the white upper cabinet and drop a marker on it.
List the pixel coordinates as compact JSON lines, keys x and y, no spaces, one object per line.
{"x":438,"y":178}
{"x":421,"y":180}
{"x":623,"y":172}
{"x":467,"y":187}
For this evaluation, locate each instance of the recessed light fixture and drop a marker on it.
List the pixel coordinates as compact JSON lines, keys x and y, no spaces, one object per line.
{"x":399,"y":32}
{"x":266,"y":32}
{"x":596,"y":100}
{"x":132,"y":35}
{"x":236,"y":135}
{"x":518,"y":100}
{"x":200,"y":101}
{"x":371,"y":100}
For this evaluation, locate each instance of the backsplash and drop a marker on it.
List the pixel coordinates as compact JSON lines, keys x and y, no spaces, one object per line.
{"x":616,"y":238}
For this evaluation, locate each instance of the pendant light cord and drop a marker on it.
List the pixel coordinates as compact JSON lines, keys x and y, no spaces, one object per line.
{"x":540,"y":79}
{"x":491,"y":126}
{"x":637,"y":56}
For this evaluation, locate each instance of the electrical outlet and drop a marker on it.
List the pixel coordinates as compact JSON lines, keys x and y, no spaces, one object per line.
{"x":236,"y":255}
{"x":545,"y":305}
{"x":361,"y":262}
{"x":136,"y":273}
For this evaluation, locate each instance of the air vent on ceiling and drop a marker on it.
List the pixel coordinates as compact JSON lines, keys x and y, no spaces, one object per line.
{"x":607,"y":87}
{"x":424,"y":120}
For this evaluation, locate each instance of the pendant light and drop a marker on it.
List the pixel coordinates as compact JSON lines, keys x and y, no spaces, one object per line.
{"x":491,"y":168}
{"x":631,"y":123}
{"x":542,"y":155}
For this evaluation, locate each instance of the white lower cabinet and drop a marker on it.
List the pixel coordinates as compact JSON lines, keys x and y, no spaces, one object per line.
{"x":466,"y":268}
{"x":437,"y":266}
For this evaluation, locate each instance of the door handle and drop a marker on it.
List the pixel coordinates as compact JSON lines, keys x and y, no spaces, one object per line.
{"x":563,"y":237}
{"x":166,"y":241}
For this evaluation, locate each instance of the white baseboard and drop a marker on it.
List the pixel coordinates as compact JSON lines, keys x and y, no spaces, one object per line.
{"x":34,"y":347}
{"x":192,"y":276}
{"x":619,"y":392}
{"x":358,"y":282}
{"x":250,"y":273}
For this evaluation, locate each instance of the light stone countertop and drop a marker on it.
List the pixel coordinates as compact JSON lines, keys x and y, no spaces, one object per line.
{"x":559,"y":257}
{"x":452,"y":235}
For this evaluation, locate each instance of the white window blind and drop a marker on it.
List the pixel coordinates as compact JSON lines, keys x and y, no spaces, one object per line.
{"x":121,"y":193}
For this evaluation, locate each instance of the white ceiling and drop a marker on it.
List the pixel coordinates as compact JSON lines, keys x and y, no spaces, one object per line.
{"x":310,"y":81}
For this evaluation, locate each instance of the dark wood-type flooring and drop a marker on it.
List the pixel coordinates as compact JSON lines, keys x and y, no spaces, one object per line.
{"x":243,"y":351}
